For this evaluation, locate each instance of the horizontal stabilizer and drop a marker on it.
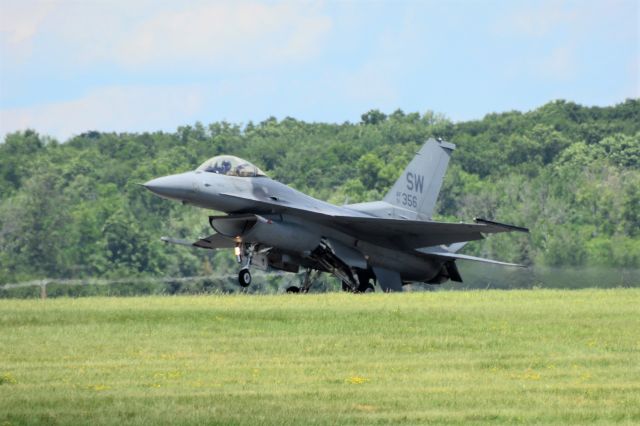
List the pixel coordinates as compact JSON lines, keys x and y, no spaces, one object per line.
{"x":455,"y":256}
{"x":456,"y":247}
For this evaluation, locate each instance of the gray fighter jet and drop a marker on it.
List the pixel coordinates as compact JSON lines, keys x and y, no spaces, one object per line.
{"x":272,"y":226}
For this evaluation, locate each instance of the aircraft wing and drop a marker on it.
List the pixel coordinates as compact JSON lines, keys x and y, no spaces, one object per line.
{"x":215,"y":241}
{"x":414,"y":234}
{"x":404,"y":234}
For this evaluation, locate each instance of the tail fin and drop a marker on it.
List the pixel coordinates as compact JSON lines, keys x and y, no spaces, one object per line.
{"x":419,"y":185}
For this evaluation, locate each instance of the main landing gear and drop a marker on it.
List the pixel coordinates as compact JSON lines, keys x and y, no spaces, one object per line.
{"x":309,"y":276}
{"x":362,"y":283}
{"x":362,"y":288}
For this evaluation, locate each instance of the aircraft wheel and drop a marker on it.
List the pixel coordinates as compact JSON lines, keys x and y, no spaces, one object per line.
{"x":367,"y":289}
{"x":293,"y":289}
{"x":244,"y":278}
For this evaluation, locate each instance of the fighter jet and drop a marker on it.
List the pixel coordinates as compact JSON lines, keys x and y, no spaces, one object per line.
{"x":271,"y":226}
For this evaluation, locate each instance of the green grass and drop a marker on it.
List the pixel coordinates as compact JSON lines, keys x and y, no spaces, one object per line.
{"x":539,"y":356}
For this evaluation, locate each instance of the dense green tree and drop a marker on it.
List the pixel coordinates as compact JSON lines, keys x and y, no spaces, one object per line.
{"x":571,"y":173}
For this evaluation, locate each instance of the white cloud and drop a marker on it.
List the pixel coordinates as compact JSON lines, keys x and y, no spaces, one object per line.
{"x":536,"y":20}
{"x":555,"y":63}
{"x":109,"y":109}
{"x":376,"y":82}
{"x":559,"y":64}
{"x":19,"y":23}
{"x":73,"y":38}
{"x":634,"y":71}
{"x":146,"y":34}
{"x":555,"y":34}
{"x":578,"y":19}
{"x":242,"y":33}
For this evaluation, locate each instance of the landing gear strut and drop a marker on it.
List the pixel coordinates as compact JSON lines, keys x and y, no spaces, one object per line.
{"x":309,"y":276}
{"x":361,"y":284}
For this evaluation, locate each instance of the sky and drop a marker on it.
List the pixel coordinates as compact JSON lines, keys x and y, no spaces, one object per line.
{"x":67,"y":67}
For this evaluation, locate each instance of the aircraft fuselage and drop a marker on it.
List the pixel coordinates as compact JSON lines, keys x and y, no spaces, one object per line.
{"x":393,"y":241}
{"x":211,"y":191}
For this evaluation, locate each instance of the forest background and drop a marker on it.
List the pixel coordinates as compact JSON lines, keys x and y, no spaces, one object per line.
{"x":73,"y":210}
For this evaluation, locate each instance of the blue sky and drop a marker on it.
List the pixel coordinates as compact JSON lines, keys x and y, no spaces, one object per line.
{"x":146,"y":65}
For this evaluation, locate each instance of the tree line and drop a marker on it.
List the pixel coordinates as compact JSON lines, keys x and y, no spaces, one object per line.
{"x":73,"y":209}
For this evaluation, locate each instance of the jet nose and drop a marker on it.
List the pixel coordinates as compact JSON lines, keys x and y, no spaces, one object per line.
{"x":175,"y":187}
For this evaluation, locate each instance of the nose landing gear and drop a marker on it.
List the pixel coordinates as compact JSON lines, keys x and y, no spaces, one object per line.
{"x":244,"y":276}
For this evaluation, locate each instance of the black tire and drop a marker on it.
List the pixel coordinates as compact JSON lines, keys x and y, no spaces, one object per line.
{"x":293,"y":289}
{"x":367,"y":288}
{"x":244,"y":278}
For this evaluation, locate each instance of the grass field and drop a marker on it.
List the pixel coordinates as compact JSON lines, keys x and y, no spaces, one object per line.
{"x":538,"y":356}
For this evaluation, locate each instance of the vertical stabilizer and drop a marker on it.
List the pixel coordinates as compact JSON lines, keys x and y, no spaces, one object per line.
{"x":419,"y":185}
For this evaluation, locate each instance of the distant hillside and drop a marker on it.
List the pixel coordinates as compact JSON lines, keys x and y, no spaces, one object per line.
{"x":570,"y":173}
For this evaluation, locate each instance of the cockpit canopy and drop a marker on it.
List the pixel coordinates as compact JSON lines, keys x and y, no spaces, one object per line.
{"x":230,"y":166}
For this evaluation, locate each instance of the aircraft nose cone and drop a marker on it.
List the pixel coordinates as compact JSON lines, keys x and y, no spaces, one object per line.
{"x":156,"y":185}
{"x":176,"y":187}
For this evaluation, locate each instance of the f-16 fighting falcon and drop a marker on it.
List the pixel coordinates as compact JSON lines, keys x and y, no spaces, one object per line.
{"x":272,"y":226}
